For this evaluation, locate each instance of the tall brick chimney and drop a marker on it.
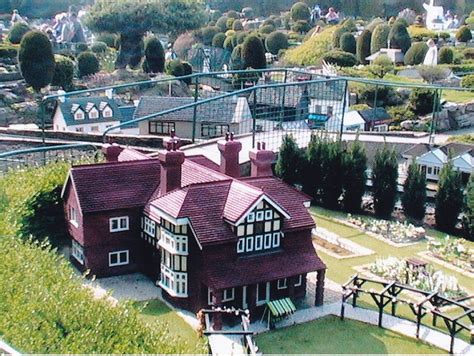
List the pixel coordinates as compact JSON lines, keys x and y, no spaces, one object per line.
{"x":230,"y":155}
{"x":261,"y":161}
{"x":111,"y":152}
{"x":171,"y":161}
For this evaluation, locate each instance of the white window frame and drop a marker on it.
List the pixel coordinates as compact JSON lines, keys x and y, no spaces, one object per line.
{"x":149,"y":226}
{"x":268,"y":238}
{"x":282,"y":284}
{"x":268,"y":214}
{"x":77,"y":251}
{"x":119,"y":220}
{"x":241,"y":245}
{"x":176,"y":281}
{"x":300,"y":281}
{"x":119,"y":262}
{"x":176,"y":244}
{"x":249,"y":241}
{"x":258,"y":242}
{"x":73,"y":216}
{"x":95,"y":112}
{"x":276,"y":240}
{"x":260,"y":216}
{"x":267,"y":294}
{"x":225,"y":294}
{"x":251,"y":218}
{"x":79,"y":115}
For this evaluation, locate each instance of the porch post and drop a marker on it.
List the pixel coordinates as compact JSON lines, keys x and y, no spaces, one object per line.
{"x":291,"y":286}
{"x":319,"y":299}
{"x":251,"y":298}
{"x":217,"y":302}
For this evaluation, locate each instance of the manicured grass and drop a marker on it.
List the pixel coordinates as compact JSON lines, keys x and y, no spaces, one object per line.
{"x":330,"y":335}
{"x":157,"y":311}
{"x":457,"y":96}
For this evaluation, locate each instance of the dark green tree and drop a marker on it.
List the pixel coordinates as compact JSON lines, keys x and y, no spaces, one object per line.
{"x":363,"y":46}
{"x":332,"y":179}
{"x":347,"y":43}
{"x":312,"y":171}
{"x":222,"y":23}
{"x":384,"y":181}
{"x":36,"y":59}
{"x":470,"y":209}
{"x":445,"y":55}
{"x":63,"y":72}
{"x":253,"y":53}
{"x":379,"y":38}
{"x":276,"y":41}
{"x":236,"y":62}
{"x":154,"y":55}
{"x":336,"y":37}
{"x":87,"y":63}
{"x":449,"y":198}
{"x":218,"y":40}
{"x":355,"y":177}
{"x":416,"y":53}
{"x":340,"y":58}
{"x":300,"y":11}
{"x":464,"y":34}
{"x":289,"y":163}
{"x":206,"y":34}
{"x":414,"y":193}
{"x":17,"y":32}
{"x":399,"y":37}
{"x":132,"y":18}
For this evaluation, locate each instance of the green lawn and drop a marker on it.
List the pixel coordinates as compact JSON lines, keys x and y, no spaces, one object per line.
{"x":330,"y":335}
{"x":157,"y":311}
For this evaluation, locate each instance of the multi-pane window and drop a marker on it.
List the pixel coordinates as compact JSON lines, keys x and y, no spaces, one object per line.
{"x":93,"y":114}
{"x":149,"y":226}
{"x":73,"y":215}
{"x":79,"y":115}
{"x":228,"y":294}
{"x":77,"y":252}
{"x":263,"y":293}
{"x":175,"y":283}
{"x":95,"y":128}
{"x":118,"y":224}
{"x":160,"y":127}
{"x":107,"y":112}
{"x":213,"y":130}
{"x":177,"y":263}
{"x":118,"y":258}
{"x":260,"y":231}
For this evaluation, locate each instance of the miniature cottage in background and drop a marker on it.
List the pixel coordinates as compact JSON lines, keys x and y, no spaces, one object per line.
{"x":205,"y":235}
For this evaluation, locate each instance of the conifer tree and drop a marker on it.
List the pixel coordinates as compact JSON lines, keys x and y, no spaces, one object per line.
{"x":414,"y":193}
{"x":312,"y":171}
{"x":384,"y":181}
{"x":289,"y":164}
{"x":470,"y":209}
{"x":355,"y":177}
{"x":449,"y":199}
{"x":332,"y":177}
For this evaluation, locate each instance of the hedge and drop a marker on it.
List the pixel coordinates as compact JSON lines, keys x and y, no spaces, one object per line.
{"x":468,"y":81}
{"x":340,"y":58}
{"x":416,"y":54}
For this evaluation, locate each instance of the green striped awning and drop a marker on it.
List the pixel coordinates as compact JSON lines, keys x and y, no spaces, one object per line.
{"x":281,"y":307}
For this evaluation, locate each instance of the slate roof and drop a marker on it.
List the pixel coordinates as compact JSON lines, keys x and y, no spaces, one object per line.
{"x":417,"y":150}
{"x":219,"y":111}
{"x":292,"y":94}
{"x":457,"y":149}
{"x":127,"y":115}
{"x":70,"y":105}
{"x":379,"y":114}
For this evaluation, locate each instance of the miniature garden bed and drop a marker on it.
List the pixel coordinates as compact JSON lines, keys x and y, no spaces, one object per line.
{"x":336,"y":246}
{"x":422,"y":277}
{"x":393,"y":233}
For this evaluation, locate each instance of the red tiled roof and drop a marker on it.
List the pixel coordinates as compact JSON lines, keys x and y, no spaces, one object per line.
{"x":117,"y":185}
{"x":240,"y":199}
{"x":231,"y":273}
{"x":288,"y":198}
{"x":204,"y":161}
{"x":129,"y":154}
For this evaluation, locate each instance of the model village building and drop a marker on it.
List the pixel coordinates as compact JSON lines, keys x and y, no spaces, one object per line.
{"x":204,"y":234}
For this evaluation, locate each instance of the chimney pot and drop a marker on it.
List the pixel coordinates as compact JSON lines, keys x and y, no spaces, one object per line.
{"x":111,"y":152}
{"x":230,"y":156}
{"x":261,"y":161}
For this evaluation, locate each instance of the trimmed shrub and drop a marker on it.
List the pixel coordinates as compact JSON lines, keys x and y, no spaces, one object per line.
{"x":248,"y":12}
{"x":87,"y":64}
{"x":336,"y":37}
{"x":381,"y":66}
{"x":414,"y":193}
{"x":8,"y":51}
{"x":431,"y":74}
{"x":233,"y":14}
{"x":236,"y":58}
{"x":301,"y":27}
{"x":237,"y":26}
{"x":421,"y":101}
{"x":363,"y":46}
{"x":468,"y":81}
{"x":342,"y":59}
{"x":445,"y":55}
{"x":36,"y":59}
{"x":253,"y":53}
{"x":419,"y":34}
{"x":229,"y":23}
{"x":81,"y":47}
{"x":379,"y":38}
{"x":384,"y":181}
{"x":374,"y":23}
{"x":266,"y":29}
{"x":222,"y":23}
{"x":107,"y":38}
{"x":63,"y":72}
{"x":300,"y":11}
{"x":187,"y":70}
{"x":399,"y":37}
{"x":464,"y":34}
{"x":218,"y":40}
{"x":99,"y":47}
{"x":154,"y":55}
{"x":347,"y":43}
{"x":275,"y":42}
{"x":207,"y":34}
{"x":17,"y":32}
{"x":416,"y":54}
{"x":228,"y":44}
{"x":239,"y":38}
{"x":289,"y":163}
{"x":354,"y":177}
{"x":449,"y":198}
{"x":268,"y":22}
{"x":174,"y":68}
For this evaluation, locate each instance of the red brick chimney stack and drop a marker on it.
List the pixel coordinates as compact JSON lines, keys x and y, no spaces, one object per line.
{"x":171,"y":161}
{"x":261,"y":161}
{"x":230,"y":155}
{"x":111,"y":152}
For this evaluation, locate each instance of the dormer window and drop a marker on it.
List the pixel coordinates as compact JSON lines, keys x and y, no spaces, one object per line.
{"x":94,"y":114}
{"x":107,"y":112}
{"x":79,"y":115}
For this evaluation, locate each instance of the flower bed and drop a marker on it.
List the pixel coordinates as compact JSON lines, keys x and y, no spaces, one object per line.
{"x":453,"y":251}
{"x":393,"y":231}
{"x":424,"y":278}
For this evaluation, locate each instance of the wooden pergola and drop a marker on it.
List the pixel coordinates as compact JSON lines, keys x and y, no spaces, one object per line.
{"x":431,"y":302}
